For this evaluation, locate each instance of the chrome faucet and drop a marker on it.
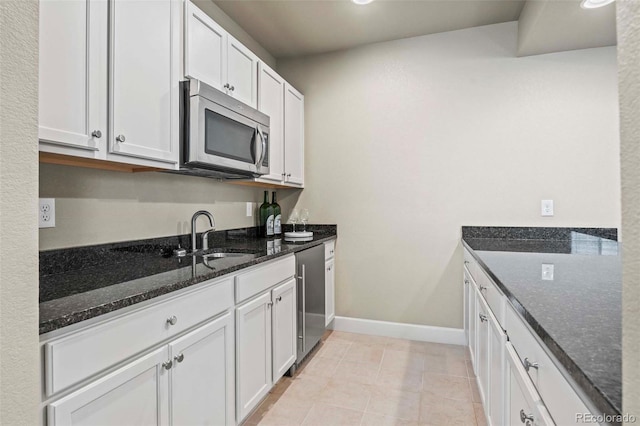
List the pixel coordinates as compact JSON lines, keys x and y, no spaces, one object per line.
{"x":205,"y":235}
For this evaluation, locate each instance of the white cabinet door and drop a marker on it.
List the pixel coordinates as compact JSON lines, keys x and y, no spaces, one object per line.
{"x":473,"y":319}
{"x":135,"y":394}
{"x":242,"y":72}
{"x":497,"y":340}
{"x":523,"y":403}
{"x":271,"y":102}
{"x":73,"y":77}
{"x":284,"y":328}
{"x":482,"y":348}
{"x":293,"y":136}
{"x":330,"y":291}
{"x":253,"y":353}
{"x":205,"y":49}
{"x":202,"y":376}
{"x":144,"y":80}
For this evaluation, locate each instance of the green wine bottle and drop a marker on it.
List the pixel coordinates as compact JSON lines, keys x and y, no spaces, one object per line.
{"x":277,"y":215}
{"x":265,"y":211}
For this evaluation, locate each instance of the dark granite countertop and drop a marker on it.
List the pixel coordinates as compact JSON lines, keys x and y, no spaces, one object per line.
{"x":81,"y":283}
{"x":577,"y":314}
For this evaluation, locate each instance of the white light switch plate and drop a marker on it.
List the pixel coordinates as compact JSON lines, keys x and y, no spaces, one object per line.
{"x":249,"y":209}
{"x":546,"y":207}
{"x":547,"y":271}
{"x":47,"y":213}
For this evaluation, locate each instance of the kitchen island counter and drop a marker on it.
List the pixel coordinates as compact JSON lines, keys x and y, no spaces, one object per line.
{"x":566,"y":285}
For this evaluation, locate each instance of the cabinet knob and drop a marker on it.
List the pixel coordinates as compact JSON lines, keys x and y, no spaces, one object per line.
{"x":179,"y":358}
{"x":528,"y":364}
{"x":269,"y":304}
{"x":466,"y":262}
{"x":483,"y":317}
{"x":466,"y":281}
{"x":120,"y":138}
{"x":173,"y":320}
{"x":226,"y":86}
{"x":96,"y":134}
{"x":288,"y":175}
{"x":232,"y":88}
{"x":167,"y":365}
{"x":526,"y":418}
{"x":482,"y":288}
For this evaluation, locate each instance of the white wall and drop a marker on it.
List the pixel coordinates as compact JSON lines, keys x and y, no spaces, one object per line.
{"x":96,"y":206}
{"x":19,"y":361}
{"x":628,"y":14}
{"x":406,"y":141}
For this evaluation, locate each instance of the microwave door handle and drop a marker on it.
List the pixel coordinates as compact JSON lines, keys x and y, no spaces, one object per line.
{"x":263,"y":146}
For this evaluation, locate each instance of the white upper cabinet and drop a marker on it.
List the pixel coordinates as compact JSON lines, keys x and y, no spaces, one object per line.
{"x":214,"y":57}
{"x":271,"y":102}
{"x":73,"y":77}
{"x":285,"y":107}
{"x":205,"y":50}
{"x":242,"y":72}
{"x":293,"y":136}
{"x":144,"y":79}
{"x":132,"y":45}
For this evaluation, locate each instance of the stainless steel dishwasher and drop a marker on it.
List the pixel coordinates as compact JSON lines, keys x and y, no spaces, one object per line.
{"x":311,"y":299}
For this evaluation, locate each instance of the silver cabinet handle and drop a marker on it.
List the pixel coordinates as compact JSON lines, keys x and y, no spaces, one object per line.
{"x":167,"y":365}
{"x":232,"y":88}
{"x":466,"y":281}
{"x":173,"y":320}
{"x":279,"y":299}
{"x":528,"y":364}
{"x":120,"y":138}
{"x":179,"y":358}
{"x":269,"y":304}
{"x":524,"y":418}
{"x":226,"y":86}
{"x":482,"y":288}
{"x":96,"y":134}
{"x":483,"y":318}
{"x":288,"y":175}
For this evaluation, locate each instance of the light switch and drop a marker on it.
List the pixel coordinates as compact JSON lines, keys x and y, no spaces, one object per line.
{"x":547,"y":207}
{"x":547,"y":271}
{"x":249,"y":209}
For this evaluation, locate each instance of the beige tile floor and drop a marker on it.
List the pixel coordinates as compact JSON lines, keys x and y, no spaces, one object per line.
{"x":356,"y":379}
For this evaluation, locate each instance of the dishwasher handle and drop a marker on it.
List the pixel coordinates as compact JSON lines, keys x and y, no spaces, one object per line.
{"x":303,"y":303}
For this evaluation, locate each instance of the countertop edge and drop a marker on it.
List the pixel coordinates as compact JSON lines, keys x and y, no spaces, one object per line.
{"x":55,"y":324}
{"x":570,"y":368}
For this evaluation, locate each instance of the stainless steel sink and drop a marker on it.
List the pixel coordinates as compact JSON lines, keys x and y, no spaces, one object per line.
{"x":221,"y":255}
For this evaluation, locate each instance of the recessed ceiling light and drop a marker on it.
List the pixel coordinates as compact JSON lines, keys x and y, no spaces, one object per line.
{"x":361,"y":2}
{"x":592,"y":4}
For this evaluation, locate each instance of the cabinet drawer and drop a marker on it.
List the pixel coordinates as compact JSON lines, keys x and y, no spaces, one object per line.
{"x":522,"y":398}
{"x":494,"y":297}
{"x":561,"y":400}
{"x":73,"y":358}
{"x":329,"y":249}
{"x":256,"y":281}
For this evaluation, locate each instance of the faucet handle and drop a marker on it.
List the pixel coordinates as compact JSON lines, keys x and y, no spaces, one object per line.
{"x":205,"y":238}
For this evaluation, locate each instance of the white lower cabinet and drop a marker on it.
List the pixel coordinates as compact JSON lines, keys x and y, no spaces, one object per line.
{"x":253,"y":343}
{"x":202,"y":375}
{"x":522,"y":401}
{"x":284,"y":328}
{"x":482,"y":349}
{"x":134,"y":394}
{"x":265,"y":342}
{"x":496,"y":372}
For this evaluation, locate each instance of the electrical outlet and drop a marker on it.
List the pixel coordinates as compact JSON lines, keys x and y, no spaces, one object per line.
{"x":546,"y":208}
{"x":547,"y":271}
{"x":47,"y":213}
{"x":249,"y":209}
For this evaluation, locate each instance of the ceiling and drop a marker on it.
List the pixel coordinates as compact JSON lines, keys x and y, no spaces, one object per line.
{"x":288,"y":28}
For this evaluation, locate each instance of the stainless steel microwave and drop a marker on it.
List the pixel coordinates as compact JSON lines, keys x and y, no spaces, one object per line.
{"x":221,"y":137}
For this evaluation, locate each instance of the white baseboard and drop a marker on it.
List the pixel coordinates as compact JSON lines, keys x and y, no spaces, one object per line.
{"x":424,"y":333}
